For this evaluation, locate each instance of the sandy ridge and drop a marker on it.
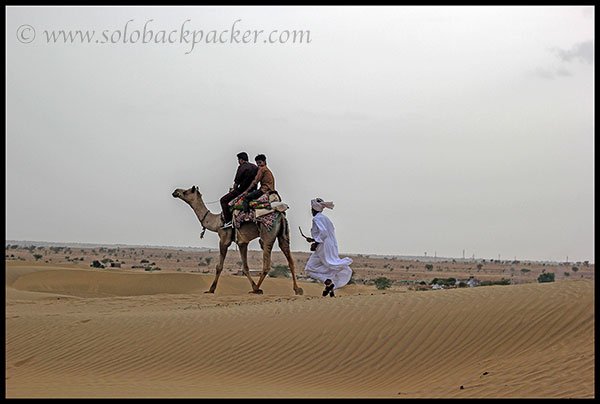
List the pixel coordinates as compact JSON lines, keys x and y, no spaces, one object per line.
{"x":74,"y":340}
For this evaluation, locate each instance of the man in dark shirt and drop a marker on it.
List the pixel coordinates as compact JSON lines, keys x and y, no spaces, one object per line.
{"x":244,"y":176}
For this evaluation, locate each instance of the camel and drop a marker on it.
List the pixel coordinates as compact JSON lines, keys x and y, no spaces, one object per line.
{"x":247,"y":232}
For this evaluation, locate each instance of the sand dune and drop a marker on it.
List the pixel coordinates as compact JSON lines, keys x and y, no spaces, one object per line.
{"x":73,"y":332}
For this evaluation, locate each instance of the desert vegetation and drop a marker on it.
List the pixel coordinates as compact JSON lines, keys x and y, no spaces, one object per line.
{"x":382,"y":272}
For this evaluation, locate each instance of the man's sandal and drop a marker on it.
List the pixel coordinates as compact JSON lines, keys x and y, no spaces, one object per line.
{"x":328,"y":289}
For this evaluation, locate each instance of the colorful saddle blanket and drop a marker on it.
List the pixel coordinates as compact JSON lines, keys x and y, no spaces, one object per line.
{"x":264,"y":202}
{"x":260,"y":211}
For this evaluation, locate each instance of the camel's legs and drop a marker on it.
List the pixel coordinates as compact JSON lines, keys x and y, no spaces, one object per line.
{"x":223,"y":246}
{"x":284,"y":245}
{"x":245,"y":270}
{"x":267,"y":246}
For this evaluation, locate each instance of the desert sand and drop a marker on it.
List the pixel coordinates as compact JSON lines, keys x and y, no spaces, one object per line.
{"x":76,"y":331}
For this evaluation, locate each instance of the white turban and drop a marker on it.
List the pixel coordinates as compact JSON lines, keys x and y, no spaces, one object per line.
{"x":319,"y":204}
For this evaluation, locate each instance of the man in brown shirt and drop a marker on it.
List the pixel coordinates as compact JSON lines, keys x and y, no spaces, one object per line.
{"x":242,"y":183}
{"x":264,"y":176}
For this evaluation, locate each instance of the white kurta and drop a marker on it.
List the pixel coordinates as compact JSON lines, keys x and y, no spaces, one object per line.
{"x":325,"y":262}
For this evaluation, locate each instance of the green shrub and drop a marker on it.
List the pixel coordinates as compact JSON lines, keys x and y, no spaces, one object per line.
{"x":382,"y":283}
{"x":500,"y":282}
{"x":546,"y":277}
{"x":37,"y":256}
{"x":279,"y":271}
{"x":96,"y":264}
{"x":443,"y":282}
{"x":429,"y":267}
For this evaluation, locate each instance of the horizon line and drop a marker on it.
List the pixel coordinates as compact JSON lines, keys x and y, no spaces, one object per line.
{"x":424,"y":257}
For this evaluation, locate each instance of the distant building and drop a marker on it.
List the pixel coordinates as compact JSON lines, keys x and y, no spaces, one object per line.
{"x":471,"y":282}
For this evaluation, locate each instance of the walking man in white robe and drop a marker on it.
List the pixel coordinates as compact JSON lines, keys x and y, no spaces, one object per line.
{"x":325,"y":264}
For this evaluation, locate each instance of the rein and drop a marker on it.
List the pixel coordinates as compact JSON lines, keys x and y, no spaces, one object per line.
{"x":203,"y":227}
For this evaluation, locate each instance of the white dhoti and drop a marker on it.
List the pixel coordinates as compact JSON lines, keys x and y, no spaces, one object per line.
{"x":325,"y":262}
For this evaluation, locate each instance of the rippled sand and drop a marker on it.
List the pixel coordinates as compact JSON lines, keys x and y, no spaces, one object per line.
{"x":72,"y":332}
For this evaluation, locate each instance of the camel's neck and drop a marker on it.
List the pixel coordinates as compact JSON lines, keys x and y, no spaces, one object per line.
{"x":209,"y":220}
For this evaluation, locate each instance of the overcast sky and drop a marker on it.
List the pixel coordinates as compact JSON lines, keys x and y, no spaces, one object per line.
{"x":433,"y":129}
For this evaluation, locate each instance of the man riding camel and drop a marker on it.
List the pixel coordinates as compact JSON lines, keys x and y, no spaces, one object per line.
{"x":244,"y":176}
{"x":264,"y":177}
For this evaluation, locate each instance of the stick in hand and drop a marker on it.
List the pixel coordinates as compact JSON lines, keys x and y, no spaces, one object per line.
{"x":310,"y":240}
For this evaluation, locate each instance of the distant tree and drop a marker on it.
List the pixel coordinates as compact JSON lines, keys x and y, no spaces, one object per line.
{"x":429,"y":267}
{"x":574,"y":269}
{"x":491,"y":283}
{"x":443,"y":282}
{"x":96,"y":264}
{"x":37,"y":256}
{"x":546,"y":277}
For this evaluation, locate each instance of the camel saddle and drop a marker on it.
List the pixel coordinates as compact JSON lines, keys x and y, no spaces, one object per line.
{"x":262,"y":210}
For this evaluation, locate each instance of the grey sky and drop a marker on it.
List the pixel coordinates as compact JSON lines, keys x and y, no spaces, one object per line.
{"x":433,"y":129}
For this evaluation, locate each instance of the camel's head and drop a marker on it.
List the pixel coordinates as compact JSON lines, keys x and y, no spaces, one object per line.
{"x":188,"y":195}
